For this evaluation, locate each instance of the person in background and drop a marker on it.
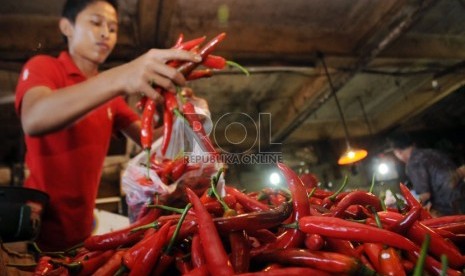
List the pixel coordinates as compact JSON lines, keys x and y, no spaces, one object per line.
{"x":69,"y":111}
{"x":433,"y":176}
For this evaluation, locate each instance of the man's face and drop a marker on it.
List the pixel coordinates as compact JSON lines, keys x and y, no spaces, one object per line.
{"x":94,"y":32}
{"x":401,"y":154}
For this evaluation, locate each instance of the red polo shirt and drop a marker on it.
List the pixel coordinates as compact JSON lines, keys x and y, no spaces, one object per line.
{"x":67,"y":164}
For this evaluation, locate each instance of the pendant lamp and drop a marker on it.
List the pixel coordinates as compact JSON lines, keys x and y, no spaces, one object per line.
{"x":351,"y":155}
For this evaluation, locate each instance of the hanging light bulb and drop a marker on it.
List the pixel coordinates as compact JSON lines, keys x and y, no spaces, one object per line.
{"x":351,"y":155}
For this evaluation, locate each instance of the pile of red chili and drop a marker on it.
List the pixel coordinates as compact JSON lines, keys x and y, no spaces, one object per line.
{"x":288,"y":231}
{"x":273,"y":232}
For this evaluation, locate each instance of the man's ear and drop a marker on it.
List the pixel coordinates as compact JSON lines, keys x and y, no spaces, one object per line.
{"x":66,"y":27}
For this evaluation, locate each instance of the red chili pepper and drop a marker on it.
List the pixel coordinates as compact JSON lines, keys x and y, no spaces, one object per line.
{"x":214,"y":62}
{"x":197,"y":256}
{"x":179,"y":168}
{"x":321,"y":194}
{"x":179,"y":40}
{"x":207,"y":196}
{"x":181,"y":263}
{"x":249,"y":203}
{"x":111,"y":266}
{"x":444,"y":220}
{"x":390,"y":263}
{"x":456,"y":228}
{"x":141,"y":103}
{"x":336,"y":196}
{"x":167,"y":130}
{"x":188,"y":228}
{"x":198,"y":271}
{"x":438,"y":245}
{"x":404,"y":224}
{"x":130,"y":256}
{"x":43,"y":266}
{"x":293,"y":237}
{"x":186,"y":46}
{"x":240,"y":251}
{"x":262,"y":235}
{"x":187,"y":67}
{"x":167,"y":258}
{"x":88,"y":266}
{"x":341,"y":246}
{"x":455,"y":238}
{"x":283,"y":271}
{"x":171,"y":103}
{"x":147,"y":260}
{"x":412,"y":201}
{"x":314,"y":242}
{"x":408,"y":265}
{"x":327,"y":261}
{"x":356,"y":197}
{"x":215,"y":254}
{"x":254,"y":220}
{"x":197,"y":126}
{"x":112,"y":240}
{"x":432,"y":265}
{"x":200,"y":74}
{"x":147,"y":124}
{"x":373,"y":251}
{"x":349,"y":230}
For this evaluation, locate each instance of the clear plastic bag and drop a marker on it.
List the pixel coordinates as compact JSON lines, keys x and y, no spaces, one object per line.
{"x":185,"y":144}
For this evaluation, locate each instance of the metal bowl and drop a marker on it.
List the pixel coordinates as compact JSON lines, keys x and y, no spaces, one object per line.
{"x":18,"y":221}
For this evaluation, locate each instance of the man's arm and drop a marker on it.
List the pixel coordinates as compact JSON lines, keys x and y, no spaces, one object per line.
{"x":43,"y":110}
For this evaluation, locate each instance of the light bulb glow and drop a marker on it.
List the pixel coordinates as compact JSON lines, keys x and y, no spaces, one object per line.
{"x":275,"y":179}
{"x":383,"y":168}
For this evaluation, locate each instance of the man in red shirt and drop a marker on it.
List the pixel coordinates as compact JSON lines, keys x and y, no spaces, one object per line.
{"x":69,"y":110}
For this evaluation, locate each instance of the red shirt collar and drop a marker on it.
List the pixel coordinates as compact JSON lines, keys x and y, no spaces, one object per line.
{"x":68,"y":63}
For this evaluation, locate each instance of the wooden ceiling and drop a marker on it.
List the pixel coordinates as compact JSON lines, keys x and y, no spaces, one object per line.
{"x":390,"y":61}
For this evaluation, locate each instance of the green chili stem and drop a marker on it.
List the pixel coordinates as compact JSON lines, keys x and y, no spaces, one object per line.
{"x":238,"y":66}
{"x":36,"y":247}
{"x":344,"y":184}
{"x":421,"y":259}
{"x":178,"y":227}
{"x":383,"y":205}
{"x":399,"y":203}
{"x":262,"y":196}
{"x":213,"y":183}
{"x":293,"y":225}
{"x":121,"y":271}
{"x":166,"y":208}
{"x":148,"y":163}
{"x":377,"y":220}
{"x":311,"y":192}
{"x":372,"y":184}
{"x":444,"y":265}
{"x":154,"y":224}
{"x":178,"y":113}
{"x":81,"y":244}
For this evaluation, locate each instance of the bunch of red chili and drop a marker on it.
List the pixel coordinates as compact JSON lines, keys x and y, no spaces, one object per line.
{"x":171,"y":103}
{"x":273,"y":231}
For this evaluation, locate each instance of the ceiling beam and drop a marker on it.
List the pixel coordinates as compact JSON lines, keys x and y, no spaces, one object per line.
{"x":388,"y":31}
{"x":418,"y":102}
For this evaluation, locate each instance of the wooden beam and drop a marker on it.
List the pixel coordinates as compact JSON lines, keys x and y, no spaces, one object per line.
{"x":387,"y":31}
{"x":418,"y":102}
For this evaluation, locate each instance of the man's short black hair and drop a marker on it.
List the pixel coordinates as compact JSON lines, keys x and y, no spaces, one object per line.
{"x":73,"y":7}
{"x":399,"y":140}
